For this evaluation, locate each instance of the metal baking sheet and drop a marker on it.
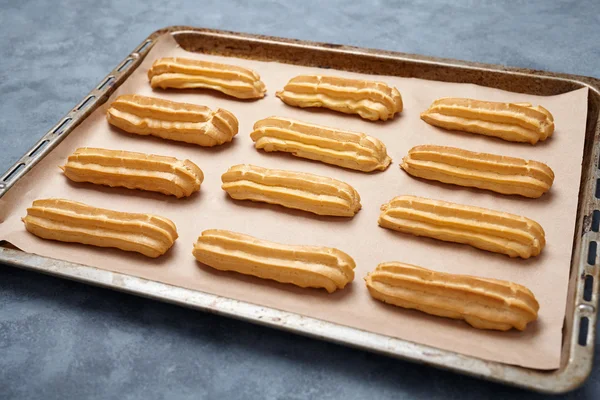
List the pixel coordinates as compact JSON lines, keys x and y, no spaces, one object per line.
{"x":577,"y":347}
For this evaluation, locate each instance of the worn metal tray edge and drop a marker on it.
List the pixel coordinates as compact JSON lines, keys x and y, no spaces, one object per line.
{"x":577,"y":359}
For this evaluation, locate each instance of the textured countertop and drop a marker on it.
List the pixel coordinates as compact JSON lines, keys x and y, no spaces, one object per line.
{"x":65,"y":340}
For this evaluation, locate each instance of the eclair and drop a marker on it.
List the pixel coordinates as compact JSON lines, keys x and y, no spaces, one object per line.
{"x":482,"y":228}
{"x":299,"y":190}
{"x":346,"y":149}
{"x":70,"y":221}
{"x":183,"y":73}
{"x":304,"y":266}
{"x":501,"y":174}
{"x":370,"y":99}
{"x":183,"y":122}
{"x":482,"y":303}
{"x":515,"y":122}
{"x":132,"y":170}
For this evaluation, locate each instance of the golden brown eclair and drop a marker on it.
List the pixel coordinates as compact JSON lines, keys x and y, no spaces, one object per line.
{"x":132,"y":170}
{"x":183,"y":73}
{"x":304,"y":266}
{"x":482,"y":303}
{"x":346,"y":149}
{"x":299,"y":190}
{"x":515,"y":122}
{"x":482,"y":228}
{"x":70,"y":221}
{"x":171,"y":120}
{"x":506,"y":175}
{"x":370,"y":99}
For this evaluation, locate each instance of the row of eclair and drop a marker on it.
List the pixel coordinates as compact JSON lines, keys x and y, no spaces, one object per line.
{"x":197,"y":124}
{"x":483,"y":303}
{"x":181,"y":178}
{"x":517,"y":122}
{"x":482,"y":228}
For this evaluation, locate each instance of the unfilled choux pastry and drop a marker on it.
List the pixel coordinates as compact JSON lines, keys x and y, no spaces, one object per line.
{"x":304,"y":266}
{"x":515,"y":122}
{"x":132,"y":170}
{"x":346,"y":149}
{"x":183,"y":122}
{"x":70,"y":221}
{"x":299,"y":190}
{"x":482,"y":303}
{"x":506,"y":175}
{"x":482,"y":228}
{"x":183,"y":73}
{"x":370,"y":99}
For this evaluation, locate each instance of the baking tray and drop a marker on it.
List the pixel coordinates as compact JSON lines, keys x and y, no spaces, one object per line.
{"x":581,"y":313}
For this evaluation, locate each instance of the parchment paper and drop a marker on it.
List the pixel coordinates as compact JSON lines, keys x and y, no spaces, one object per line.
{"x":546,"y":275}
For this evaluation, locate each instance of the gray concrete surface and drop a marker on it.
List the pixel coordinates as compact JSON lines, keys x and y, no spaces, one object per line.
{"x":64,"y":340}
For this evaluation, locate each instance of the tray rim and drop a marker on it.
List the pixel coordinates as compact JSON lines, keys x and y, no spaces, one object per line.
{"x":591,"y":82}
{"x":566,"y":378}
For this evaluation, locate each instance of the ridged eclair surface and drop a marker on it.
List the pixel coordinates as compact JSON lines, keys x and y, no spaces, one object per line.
{"x":515,"y":122}
{"x":482,"y":303}
{"x":304,"y":266}
{"x":482,"y":228}
{"x":183,"y":122}
{"x":70,"y":221}
{"x":183,"y":73}
{"x":132,"y":170}
{"x":506,"y":175}
{"x":299,"y":190}
{"x":370,"y":99}
{"x":346,"y":149}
